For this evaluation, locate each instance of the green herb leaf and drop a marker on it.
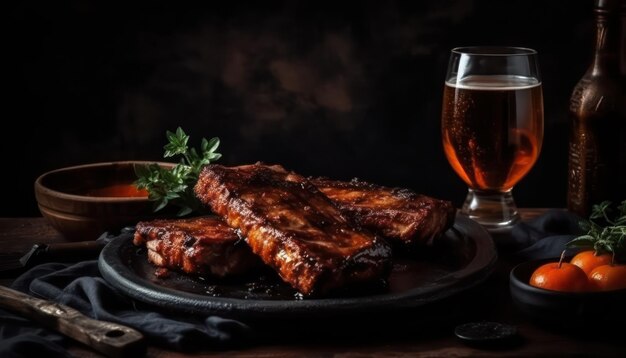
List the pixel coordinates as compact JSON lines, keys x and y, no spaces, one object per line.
{"x":175,"y":186}
{"x":606,"y":231}
{"x":160,"y":204}
{"x":581,"y":241}
{"x":184,"y":211}
{"x":141,"y":171}
{"x":212,"y":145}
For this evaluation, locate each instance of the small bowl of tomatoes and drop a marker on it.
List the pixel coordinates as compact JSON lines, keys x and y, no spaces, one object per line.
{"x":578,"y":290}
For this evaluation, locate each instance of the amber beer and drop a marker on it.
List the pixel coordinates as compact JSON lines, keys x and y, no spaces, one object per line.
{"x":492,"y":129}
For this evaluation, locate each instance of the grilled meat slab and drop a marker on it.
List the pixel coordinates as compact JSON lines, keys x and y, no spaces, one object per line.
{"x":397,"y":214}
{"x":198,"y":246}
{"x":293,"y":227}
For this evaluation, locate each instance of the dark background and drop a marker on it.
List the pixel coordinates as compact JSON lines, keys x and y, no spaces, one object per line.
{"x":333,"y":88}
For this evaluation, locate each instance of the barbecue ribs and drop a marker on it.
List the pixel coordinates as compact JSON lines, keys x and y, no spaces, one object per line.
{"x":198,"y":246}
{"x":293,"y":227}
{"x":399,"y":215}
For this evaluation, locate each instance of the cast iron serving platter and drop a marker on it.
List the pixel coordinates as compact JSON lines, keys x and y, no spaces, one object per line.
{"x":462,"y":258}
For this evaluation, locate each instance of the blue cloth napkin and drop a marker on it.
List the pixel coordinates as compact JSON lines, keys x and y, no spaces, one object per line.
{"x":82,"y":287}
{"x":545,"y":236}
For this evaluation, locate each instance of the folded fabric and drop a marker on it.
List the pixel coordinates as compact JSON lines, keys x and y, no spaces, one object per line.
{"x":80,"y":286}
{"x":545,"y":236}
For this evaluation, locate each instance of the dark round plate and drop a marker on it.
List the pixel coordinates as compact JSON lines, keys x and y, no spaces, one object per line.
{"x":563,"y":308}
{"x":463,"y":257}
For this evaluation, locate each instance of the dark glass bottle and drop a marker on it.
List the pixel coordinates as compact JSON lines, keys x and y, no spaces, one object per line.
{"x":597,"y":145}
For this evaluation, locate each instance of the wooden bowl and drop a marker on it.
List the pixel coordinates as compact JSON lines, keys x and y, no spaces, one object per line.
{"x":78,"y":202}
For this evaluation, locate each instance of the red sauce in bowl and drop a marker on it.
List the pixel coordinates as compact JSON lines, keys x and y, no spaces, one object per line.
{"x":118,"y":191}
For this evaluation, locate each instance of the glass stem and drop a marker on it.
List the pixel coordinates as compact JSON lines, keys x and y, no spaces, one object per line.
{"x":496,"y":211}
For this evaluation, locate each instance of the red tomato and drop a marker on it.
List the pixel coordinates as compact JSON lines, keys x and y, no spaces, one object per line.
{"x":566,"y":278}
{"x":608,"y":277}
{"x":588,"y":260}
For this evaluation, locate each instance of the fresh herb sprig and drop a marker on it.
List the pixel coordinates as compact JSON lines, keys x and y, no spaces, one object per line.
{"x":175,"y":186}
{"x":606,"y":230}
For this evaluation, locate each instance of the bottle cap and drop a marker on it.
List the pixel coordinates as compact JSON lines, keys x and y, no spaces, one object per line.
{"x":485,"y":332}
{"x":610,"y":5}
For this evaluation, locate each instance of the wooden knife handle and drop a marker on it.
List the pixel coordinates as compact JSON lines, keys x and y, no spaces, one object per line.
{"x":109,"y":338}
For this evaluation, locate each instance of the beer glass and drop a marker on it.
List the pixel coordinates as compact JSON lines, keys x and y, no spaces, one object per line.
{"x":492,"y":127}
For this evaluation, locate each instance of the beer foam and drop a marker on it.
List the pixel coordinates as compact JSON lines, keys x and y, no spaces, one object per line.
{"x":494,"y":83}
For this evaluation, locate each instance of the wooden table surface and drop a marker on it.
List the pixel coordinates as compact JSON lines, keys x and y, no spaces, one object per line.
{"x":405,"y":336}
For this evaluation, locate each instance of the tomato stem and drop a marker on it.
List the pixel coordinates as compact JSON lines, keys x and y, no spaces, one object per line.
{"x":561,"y":259}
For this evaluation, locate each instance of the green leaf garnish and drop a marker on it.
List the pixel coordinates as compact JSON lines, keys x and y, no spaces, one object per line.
{"x":175,"y":186}
{"x":606,"y":231}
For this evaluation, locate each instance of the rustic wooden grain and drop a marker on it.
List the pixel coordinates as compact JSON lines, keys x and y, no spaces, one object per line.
{"x":18,"y":234}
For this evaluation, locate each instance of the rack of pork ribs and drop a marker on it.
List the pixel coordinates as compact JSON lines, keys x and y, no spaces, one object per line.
{"x":317,"y":234}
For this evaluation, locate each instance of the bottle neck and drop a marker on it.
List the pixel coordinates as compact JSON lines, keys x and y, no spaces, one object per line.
{"x":607,"y":47}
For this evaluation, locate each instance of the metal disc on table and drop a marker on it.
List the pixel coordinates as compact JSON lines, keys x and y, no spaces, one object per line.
{"x":484,"y":332}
